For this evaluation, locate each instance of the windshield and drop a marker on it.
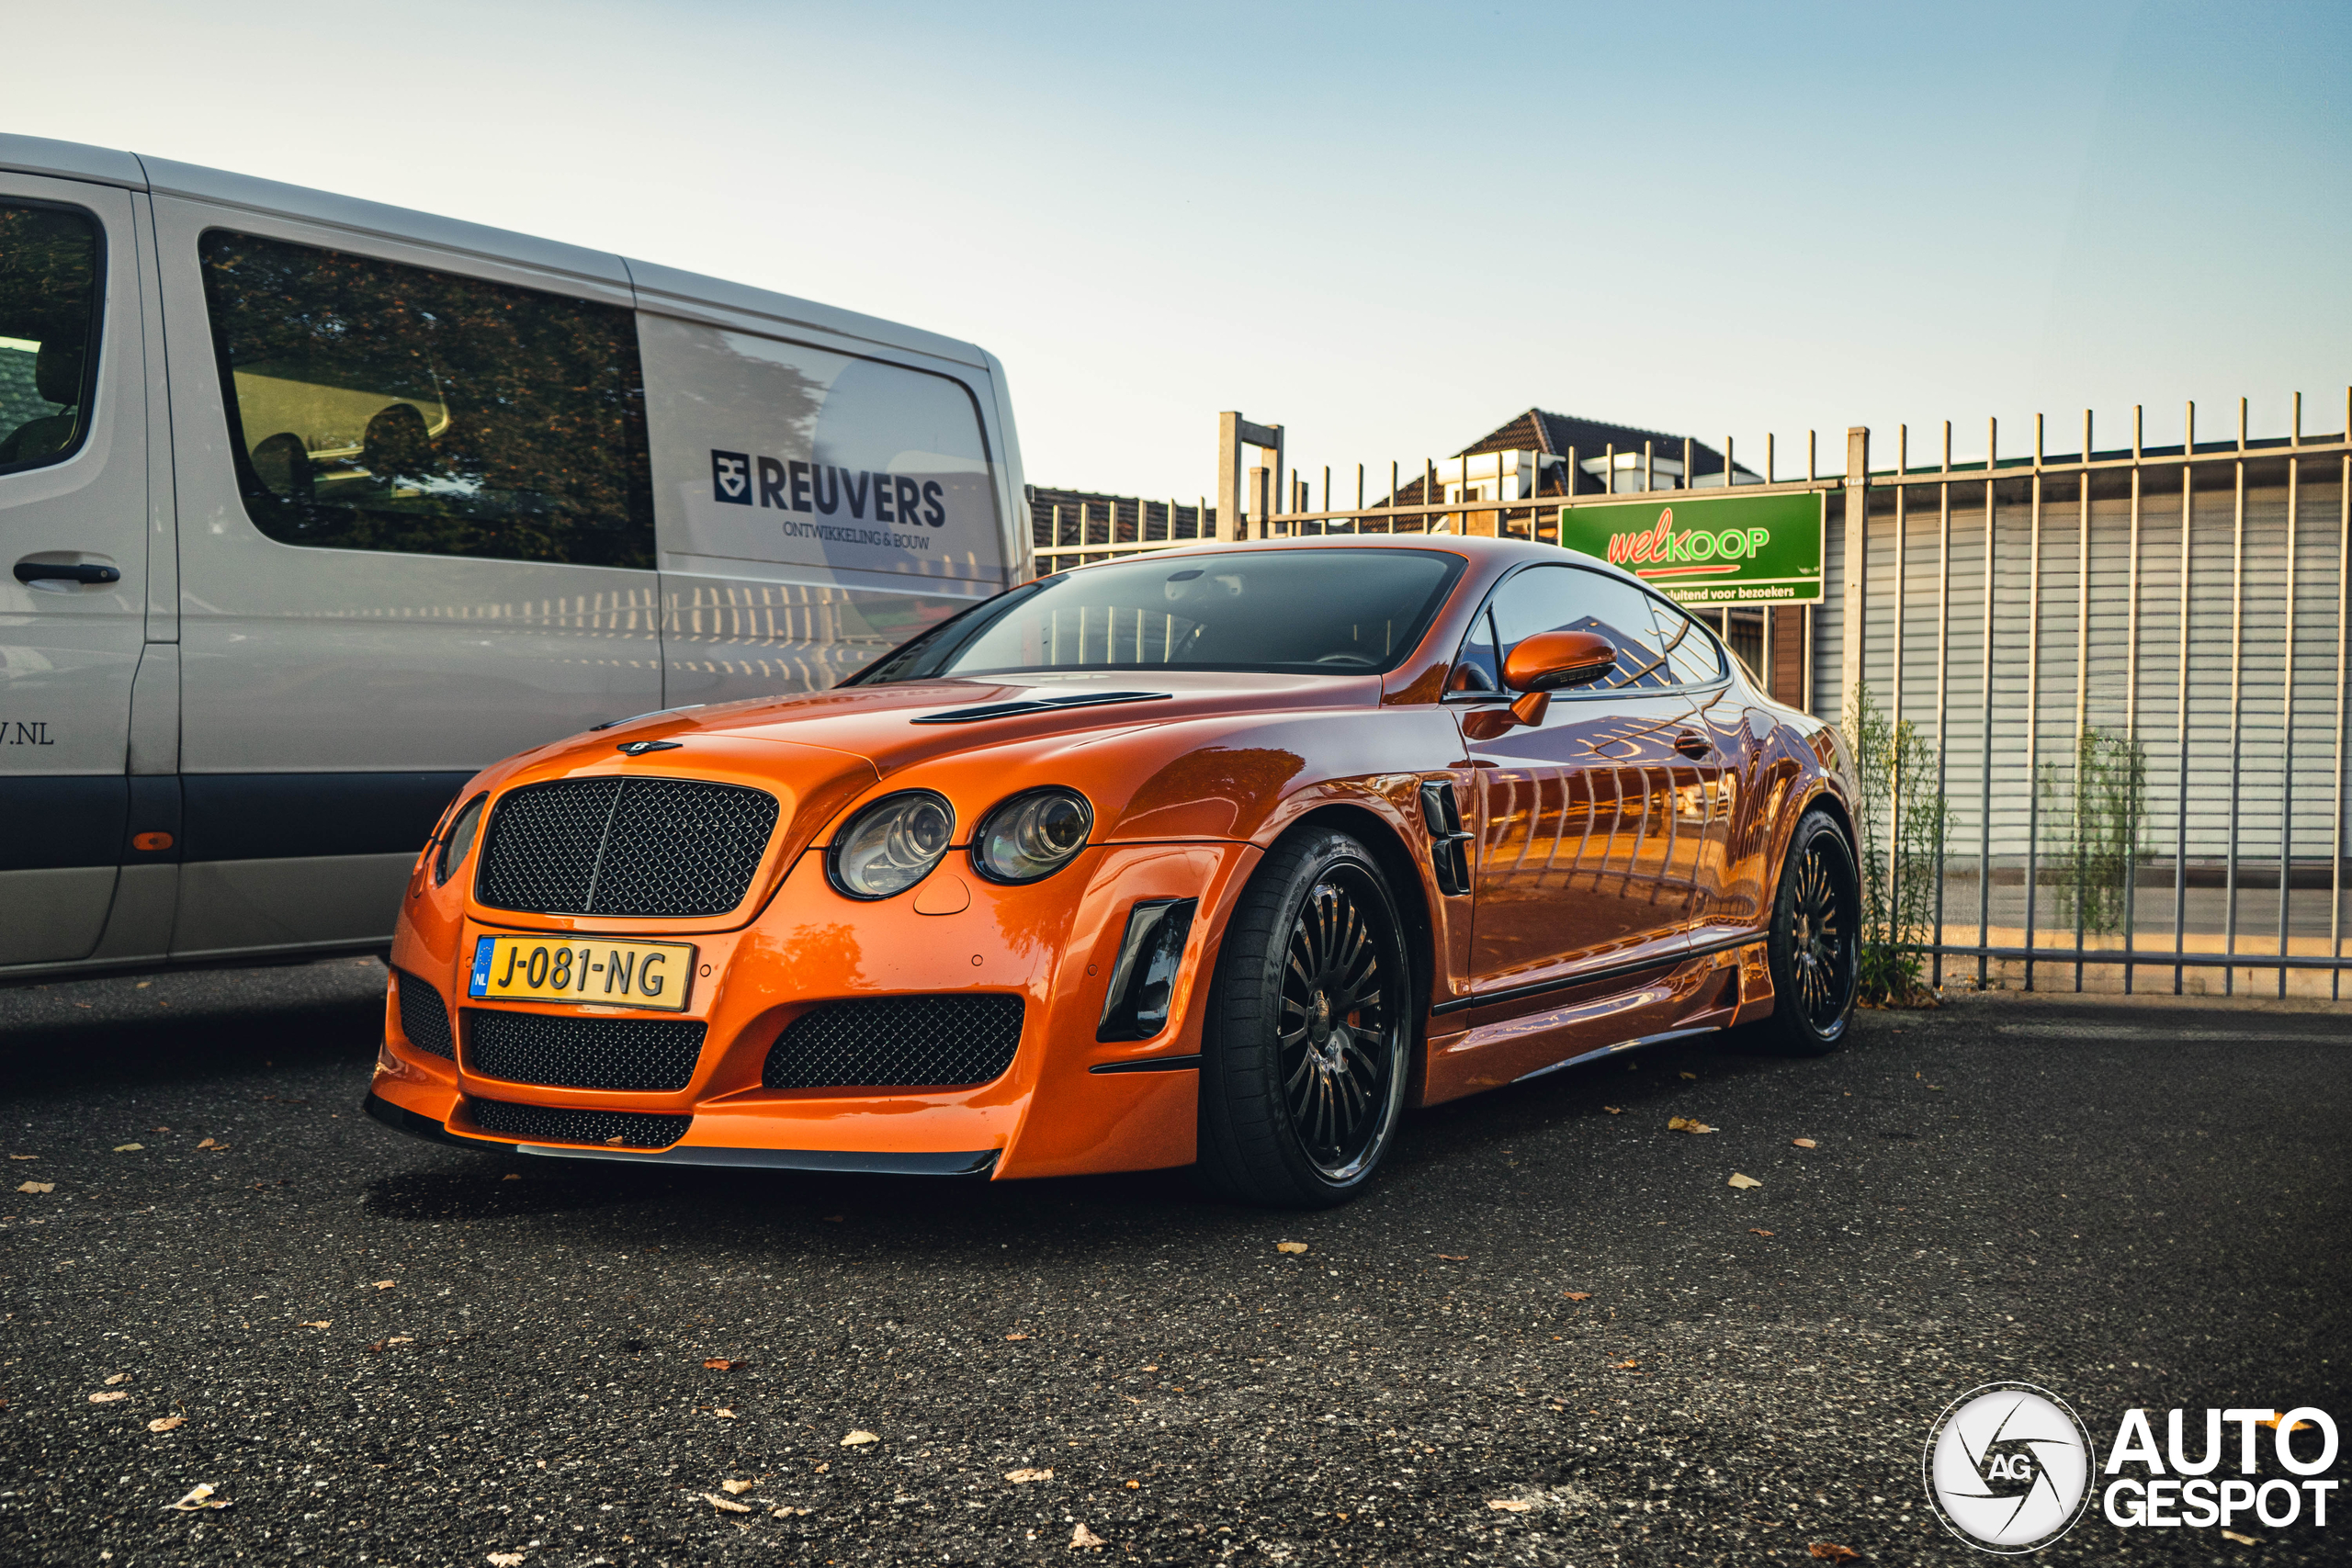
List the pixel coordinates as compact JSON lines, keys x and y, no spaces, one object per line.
{"x":1327,"y":612}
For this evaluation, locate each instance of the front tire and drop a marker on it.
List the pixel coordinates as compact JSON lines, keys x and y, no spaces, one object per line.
{"x":1303,"y":1068}
{"x":1815,"y":947}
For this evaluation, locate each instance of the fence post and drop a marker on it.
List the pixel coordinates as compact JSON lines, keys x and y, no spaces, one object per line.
{"x":1858,"y":515}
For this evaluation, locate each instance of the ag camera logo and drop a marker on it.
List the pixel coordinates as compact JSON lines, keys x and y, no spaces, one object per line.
{"x":2008,"y":1467}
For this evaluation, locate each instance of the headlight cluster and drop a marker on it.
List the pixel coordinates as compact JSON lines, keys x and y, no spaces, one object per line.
{"x":895,"y":842}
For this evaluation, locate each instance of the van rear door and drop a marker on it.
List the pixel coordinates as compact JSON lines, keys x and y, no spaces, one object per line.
{"x":416,"y":536}
{"x":73,"y":498}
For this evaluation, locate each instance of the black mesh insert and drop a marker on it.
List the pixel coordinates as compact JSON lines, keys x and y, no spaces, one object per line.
{"x":896,"y":1042}
{"x":658,"y":848}
{"x":582,"y":1053}
{"x":424,"y":1017}
{"x":563,"y":1124}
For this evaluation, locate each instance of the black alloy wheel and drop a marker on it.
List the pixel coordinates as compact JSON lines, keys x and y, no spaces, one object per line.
{"x":1303,"y":1066}
{"x":1815,"y":947}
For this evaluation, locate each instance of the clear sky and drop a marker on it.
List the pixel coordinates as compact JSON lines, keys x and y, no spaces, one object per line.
{"x":1388,"y":228}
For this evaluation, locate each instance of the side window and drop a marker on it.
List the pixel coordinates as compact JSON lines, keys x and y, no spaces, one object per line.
{"x":380,"y":407}
{"x":1477,"y":668}
{"x":1565,"y":598}
{"x":49,"y":332}
{"x":1690,"y":651}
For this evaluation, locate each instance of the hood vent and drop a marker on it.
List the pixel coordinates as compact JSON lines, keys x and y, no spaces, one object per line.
{"x":660,"y":848}
{"x":1038,"y":705}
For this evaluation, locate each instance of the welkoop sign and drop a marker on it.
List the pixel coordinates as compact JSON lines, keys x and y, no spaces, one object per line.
{"x":1724,"y":549}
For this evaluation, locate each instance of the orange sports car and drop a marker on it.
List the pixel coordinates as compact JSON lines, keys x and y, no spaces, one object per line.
{"x":1220,"y":856}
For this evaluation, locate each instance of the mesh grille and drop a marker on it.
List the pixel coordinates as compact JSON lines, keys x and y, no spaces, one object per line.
{"x":424,"y":1017}
{"x":582,"y":1053}
{"x":896,"y":1042}
{"x":563,"y":1124}
{"x":660,"y":848}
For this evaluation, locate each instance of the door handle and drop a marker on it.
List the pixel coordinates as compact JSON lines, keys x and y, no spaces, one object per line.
{"x":1693,"y":745}
{"x":29,"y":571}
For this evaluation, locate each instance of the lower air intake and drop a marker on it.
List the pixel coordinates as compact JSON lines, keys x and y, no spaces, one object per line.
{"x":651,"y":1056}
{"x":898,"y":1042}
{"x":563,"y":1124}
{"x":425,"y":1017}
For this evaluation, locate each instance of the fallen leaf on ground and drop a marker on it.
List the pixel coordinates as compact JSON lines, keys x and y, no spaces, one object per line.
{"x":1577,"y":1295}
{"x":1830,"y":1551}
{"x":109,"y":1397}
{"x":1742,"y":1182}
{"x":1018,"y":1476}
{"x":2272,"y":1423}
{"x":24,"y":1156}
{"x":736,"y":1488}
{"x":1290,"y":1247}
{"x":1614,"y":1110}
{"x":788,"y":1513}
{"x":721,"y":1364}
{"x":2240,"y":1539}
{"x":1693,"y":1076}
{"x":401,"y":1339}
{"x":510,"y":1176}
{"x":724,"y":1415}
{"x":1080,"y":1537}
{"x":201,"y":1497}
{"x":1454,"y":1257}
{"x":323,"y":1323}
{"x":1754,"y":1230}
{"x":859,"y":1439}
{"x":125,"y":1377}
{"x":1689,"y":1125}
{"x":1624,"y":1366}
{"x":823,"y":1465}
{"x":1010,"y":1336}
{"x":129,"y":1148}
{"x":52,"y":1187}
{"x":506,"y":1560}
{"x":1510,"y":1505}
{"x":1135,"y":1485}
{"x":165,"y":1422}
{"x":210,"y":1144}
{"x":726,"y":1504}
{"x":385,"y":1284}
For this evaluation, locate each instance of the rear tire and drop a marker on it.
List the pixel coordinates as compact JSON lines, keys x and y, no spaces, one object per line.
{"x":1302,"y":1066}
{"x":1814,"y":950}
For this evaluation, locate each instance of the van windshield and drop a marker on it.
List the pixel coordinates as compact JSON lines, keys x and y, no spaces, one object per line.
{"x":1328,"y":612}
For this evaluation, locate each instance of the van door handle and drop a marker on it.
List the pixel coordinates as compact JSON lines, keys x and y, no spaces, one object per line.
{"x":1693,"y":745}
{"x":30,"y":572}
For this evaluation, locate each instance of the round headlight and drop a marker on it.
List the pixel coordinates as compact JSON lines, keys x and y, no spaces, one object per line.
{"x":891,"y":845}
{"x":1032,"y":835}
{"x":459,"y":842}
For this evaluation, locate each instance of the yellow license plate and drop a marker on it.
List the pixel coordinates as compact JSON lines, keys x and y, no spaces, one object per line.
{"x":608,"y":973}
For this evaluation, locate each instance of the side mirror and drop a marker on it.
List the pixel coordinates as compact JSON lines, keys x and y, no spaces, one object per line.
{"x":1552,"y":661}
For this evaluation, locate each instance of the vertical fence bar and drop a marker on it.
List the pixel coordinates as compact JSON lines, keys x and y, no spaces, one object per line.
{"x":1894,"y":681}
{"x":2343,"y":654}
{"x":1984,"y":768}
{"x":2034,"y":702}
{"x":2180,"y":813}
{"x":1768,"y":471}
{"x":2237,"y":687}
{"x":1943,"y":666}
{"x":2132,"y":701}
{"x":2082,"y":676}
{"x":2287,"y":707}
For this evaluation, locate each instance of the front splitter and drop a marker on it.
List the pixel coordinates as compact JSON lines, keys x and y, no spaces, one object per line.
{"x":856,"y":1161}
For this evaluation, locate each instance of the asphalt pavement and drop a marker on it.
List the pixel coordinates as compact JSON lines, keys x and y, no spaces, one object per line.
{"x":1554,"y":1332}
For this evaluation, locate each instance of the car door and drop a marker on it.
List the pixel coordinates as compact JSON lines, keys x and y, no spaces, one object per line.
{"x":416,"y":536}
{"x":1590,"y":838}
{"x":73,"y":504}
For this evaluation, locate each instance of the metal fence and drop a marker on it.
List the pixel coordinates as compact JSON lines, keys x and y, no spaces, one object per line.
{"x":2126,"y":669}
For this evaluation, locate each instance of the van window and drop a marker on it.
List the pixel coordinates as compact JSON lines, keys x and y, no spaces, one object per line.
{"x":380,"y":407}
{"x":49,"y":332}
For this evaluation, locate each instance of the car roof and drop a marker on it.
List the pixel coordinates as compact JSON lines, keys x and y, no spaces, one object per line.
{"x":653,"y":286}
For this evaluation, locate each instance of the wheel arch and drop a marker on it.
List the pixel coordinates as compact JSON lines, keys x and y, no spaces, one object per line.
{"x":1406,"y":887}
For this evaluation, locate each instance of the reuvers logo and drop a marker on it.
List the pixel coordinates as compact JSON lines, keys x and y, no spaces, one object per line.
{"x":2008,"y":1467}
{"x":730,"y":477}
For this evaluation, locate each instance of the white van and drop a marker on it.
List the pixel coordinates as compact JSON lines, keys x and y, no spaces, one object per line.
{"x":314,"y":507}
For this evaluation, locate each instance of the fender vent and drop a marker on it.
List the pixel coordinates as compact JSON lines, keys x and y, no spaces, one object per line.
{"x":425,"y":1017}
{"x":898,"y":1042}
{"x":564,"y":1124}
{"x":1449,"y":845}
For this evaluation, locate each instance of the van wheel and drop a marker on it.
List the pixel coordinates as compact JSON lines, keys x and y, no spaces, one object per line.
{"x":1303,"y":1068}
{"x":1815,"y":947}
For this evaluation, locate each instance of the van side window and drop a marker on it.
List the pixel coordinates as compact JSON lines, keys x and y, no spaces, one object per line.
{"x":380,"y":407}
{"x":48,"y":332}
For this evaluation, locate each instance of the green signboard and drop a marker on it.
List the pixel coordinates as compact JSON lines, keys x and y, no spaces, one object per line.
{"x":1718,"y":549}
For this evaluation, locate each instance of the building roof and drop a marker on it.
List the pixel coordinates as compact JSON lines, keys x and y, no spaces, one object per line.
{"x":1540,"y":429}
